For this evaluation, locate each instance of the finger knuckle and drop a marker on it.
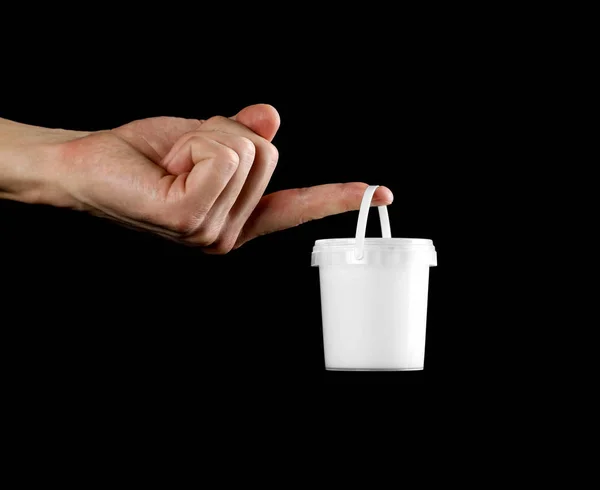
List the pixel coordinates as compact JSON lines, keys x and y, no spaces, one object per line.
{"x":246,"y":148}
{"x":228,"y":158}
{"x":207,"y":236}
{"x":182,"y":223}
{"x":355,"y":188}
{"x":198,"y":146}
{"x":216,"y":121}
{"x":223,"y":245}
{"x":272,"y":154}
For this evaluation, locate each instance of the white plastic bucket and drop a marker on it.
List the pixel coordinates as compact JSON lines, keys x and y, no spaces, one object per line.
{"x":374,"y":295}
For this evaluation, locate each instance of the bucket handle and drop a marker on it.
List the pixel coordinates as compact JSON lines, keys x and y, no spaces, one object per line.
{"x":363,"y":215}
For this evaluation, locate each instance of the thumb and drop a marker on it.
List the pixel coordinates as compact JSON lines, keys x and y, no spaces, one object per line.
{"x":263,"y":119}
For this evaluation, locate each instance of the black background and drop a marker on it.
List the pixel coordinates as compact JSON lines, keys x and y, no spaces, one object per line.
{"x":91,"y":305}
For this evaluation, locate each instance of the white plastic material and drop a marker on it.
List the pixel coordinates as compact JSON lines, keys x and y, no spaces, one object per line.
{"x":363,"y":215}
{"x":374,"y":295}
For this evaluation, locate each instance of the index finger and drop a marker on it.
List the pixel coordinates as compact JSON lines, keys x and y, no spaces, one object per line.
{"x":289,"y":208}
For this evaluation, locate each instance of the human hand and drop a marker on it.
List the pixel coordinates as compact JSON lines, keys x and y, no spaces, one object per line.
{"x":198,"y":182}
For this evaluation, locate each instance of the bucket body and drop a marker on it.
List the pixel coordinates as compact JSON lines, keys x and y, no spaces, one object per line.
{"x":374,"y":310}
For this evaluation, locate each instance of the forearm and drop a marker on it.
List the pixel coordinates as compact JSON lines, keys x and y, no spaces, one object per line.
{"x":29,"y":160}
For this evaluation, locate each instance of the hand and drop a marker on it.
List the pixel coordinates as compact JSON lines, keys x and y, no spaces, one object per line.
{"x":197,"y":182}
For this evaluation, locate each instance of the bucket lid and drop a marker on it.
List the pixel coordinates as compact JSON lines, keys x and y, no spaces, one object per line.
{"x":361,"y":250}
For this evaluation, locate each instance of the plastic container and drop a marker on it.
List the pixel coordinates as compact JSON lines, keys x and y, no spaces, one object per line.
{"x":374,"y":295}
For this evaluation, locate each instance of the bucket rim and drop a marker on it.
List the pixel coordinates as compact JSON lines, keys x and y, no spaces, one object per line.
{"x":369,"y":242}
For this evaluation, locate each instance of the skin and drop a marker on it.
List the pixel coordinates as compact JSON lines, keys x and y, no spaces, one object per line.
{"x":199,"y":182}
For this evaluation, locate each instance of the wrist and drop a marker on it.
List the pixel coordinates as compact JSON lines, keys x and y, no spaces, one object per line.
{"x":30,"y":162}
